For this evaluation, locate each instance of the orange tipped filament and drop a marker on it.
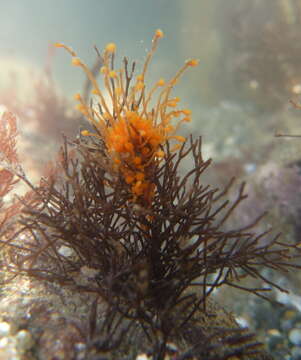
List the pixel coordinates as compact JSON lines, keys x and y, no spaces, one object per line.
{"x":133,"y":131}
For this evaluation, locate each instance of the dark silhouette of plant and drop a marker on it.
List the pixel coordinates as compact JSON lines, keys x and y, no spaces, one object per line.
{"x":142,"y":262}
{"x":115,"y":218}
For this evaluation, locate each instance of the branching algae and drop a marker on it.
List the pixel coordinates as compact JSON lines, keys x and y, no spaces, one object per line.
{"x":115,"y":218}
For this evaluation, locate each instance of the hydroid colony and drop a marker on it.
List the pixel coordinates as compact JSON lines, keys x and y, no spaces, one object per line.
{"x":133,"y":131}
{"x":149,"y":243}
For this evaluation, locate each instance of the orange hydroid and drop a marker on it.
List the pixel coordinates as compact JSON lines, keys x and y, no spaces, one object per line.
{"x":133,"y":127}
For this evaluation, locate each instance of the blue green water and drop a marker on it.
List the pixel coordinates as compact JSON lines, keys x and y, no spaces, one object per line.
{"x":223,"y":92}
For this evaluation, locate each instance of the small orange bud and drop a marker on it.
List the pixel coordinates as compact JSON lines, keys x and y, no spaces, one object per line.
{"x":77,"y":96}
{"x":129,"y":179}
{"x":129,"y":147}
{"x":76,"y":61}
{"x":186,"y":112}
{"x":161,"y":82}
{"x":159,"y":34}
{"x":111,"y":47}
{"x":85,"y":132}
{"x":137,"y":160}
{"x":192,"y":62}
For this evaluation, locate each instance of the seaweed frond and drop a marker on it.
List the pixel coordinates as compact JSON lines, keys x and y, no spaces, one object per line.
{"x":9,"y":166}
{"x":116,"y":219}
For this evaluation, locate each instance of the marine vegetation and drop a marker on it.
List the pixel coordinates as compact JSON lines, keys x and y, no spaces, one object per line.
{"x":8,"y":164}
{"x":117,"y":218}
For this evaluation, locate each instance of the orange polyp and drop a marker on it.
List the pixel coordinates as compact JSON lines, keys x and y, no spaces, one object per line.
{"x":192,"y":62}
{"x":129,"y":179}
{"x":159,"y":33}
{"x":137,"y":160}
{"x":68,"y":48}
{"x":129,"y":147}
{"x":85,"y":132}
{"x":186,"y":112}
{"x":58,"y":45}
{"x":76,"y":61}
{"x":161,"y":82}
{"x":111,"y":47}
